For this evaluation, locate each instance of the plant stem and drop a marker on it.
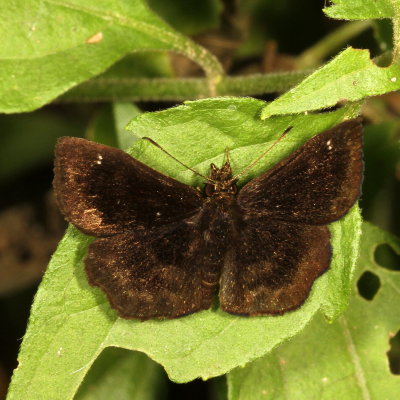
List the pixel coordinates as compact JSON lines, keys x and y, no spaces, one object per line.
{"x":180,"y":89}
{"x":207,"y":61}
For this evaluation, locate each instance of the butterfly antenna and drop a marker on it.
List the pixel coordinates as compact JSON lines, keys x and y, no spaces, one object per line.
{"x":250,"y":166}
{"x":227,"y":155}
{"x":174,"y":158}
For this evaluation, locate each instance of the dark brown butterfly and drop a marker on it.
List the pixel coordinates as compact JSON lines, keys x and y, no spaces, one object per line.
{"x":163,"y":248}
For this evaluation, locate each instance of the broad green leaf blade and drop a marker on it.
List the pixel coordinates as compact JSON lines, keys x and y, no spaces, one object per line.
{"x":204,"y":344}
{"x":350,"y":76}
{"x":56,"y":348}
{"x":338,"y":282}
{"x":198,"y":133}
{"x":346,"y":360}
{"x":140,"y":65}
{"x":361,"y":9}
{"x":51,"y":46}
{"x":122,"y":374}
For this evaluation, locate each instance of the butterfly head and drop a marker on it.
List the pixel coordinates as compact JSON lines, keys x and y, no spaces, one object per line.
{"x":220,"y":181}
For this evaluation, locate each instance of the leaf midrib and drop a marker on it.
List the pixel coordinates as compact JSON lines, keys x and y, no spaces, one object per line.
{"x":358,"y":369}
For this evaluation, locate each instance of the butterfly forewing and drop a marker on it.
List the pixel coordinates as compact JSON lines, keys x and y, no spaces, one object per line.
{"x":103,"y":191}
{"x":317,"y":184}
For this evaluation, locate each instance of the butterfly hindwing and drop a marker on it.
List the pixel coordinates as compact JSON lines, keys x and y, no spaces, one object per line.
{"x":150,"y":274}
{"x":104,"y":191}
{"x":271,"y":268}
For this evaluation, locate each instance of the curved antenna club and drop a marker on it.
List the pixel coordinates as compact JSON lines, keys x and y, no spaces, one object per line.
{"x":174,"y":158}
{"x":252,"y":164}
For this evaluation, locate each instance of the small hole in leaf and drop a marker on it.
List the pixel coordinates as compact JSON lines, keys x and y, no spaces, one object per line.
{"x":387,"y":258}
{"x":368,"y":285}
{"x":394,"y":354}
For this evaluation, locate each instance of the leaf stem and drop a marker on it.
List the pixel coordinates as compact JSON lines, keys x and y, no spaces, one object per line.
{"x":207,"y":61}
{"x":180,"y":89}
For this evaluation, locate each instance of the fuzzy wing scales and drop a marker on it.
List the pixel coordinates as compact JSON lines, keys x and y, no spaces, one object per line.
{"x":316,"y":185}
{"x":103,"y":191}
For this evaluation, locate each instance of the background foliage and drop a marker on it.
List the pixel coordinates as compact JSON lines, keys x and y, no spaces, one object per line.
{"x":93,"y":67}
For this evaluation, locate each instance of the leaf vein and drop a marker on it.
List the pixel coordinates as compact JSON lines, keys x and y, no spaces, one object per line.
{"x":359,"y":372}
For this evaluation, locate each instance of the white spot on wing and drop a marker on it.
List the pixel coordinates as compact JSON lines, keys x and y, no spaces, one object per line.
{"x":99,"y":158}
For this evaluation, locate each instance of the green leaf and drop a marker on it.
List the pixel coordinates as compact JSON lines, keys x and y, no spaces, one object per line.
{"x":139,"y":65}
{"x":345,"y":360}
{"x":383,"y":34}
{"x":51,"y":46}
{"x":198,"y":132}
{"x":350,"y":76}
{"x":361,"y":9}
{"x":122,"y":374}
{"x":70,"y":315}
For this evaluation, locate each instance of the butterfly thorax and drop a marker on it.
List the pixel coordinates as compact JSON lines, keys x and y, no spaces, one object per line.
{"x":219,"y":221}
{"x":220,"y":184}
